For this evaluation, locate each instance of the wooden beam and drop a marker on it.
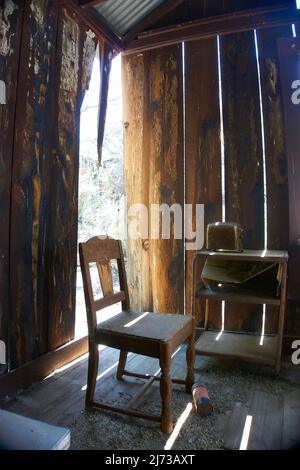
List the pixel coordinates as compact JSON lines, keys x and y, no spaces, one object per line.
{"x":160,"y":12}
{"x":41,"y":367}
{"x":96,"y":23}
{"x":209,"y":27}
{"x":90,"y":3}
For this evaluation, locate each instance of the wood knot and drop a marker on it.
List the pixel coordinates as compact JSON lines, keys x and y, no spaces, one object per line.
{"x":126,"y":124}
{"x":146,"y":245}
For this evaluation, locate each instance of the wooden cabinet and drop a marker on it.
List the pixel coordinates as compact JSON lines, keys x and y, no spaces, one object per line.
{"x":257,"y":288}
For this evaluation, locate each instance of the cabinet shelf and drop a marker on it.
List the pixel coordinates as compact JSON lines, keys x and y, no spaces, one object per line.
{"x":238,"y":346}
{"x":251,"y":297}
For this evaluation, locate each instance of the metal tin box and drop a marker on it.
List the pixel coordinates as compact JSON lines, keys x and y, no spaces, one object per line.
{"x":224,"y":236}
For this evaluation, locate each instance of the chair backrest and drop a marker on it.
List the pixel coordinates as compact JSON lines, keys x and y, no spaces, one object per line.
{"x":101,"y":250}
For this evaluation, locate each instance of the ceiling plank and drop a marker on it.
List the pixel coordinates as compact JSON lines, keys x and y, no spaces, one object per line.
{"x":160,"y":12}
{"x":90,"y":3}
{"x":95,"y":22}
{"x":222,"y":24}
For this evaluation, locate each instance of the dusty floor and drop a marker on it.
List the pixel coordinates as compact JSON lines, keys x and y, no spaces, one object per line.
{"x":228,"y":384}
{"x":59,"y":400}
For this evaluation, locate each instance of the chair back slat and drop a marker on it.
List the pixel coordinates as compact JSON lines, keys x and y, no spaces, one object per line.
{"x":101,"y":251}
{"x":109,"y":300}
{"x":105,"y":276}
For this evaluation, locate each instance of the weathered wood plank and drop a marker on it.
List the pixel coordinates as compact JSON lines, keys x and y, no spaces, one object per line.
{"x":105,"y":58}
{"x":265,"y":414}
{"x":267,"y":420}
{"x":10,"y":37}
{"x":30,"y":184}
{"x":166,"y":170}
{"x":289,"y":68}
{"x":74,"y":45}
{"x":276,"y":159}
{"x":291,"y":422}
{"x":203,"y":148}
{"x":38,"y":369}
{"x":135,"y":74}
{"x":243,"y":143}
{"x":244,"y":188}
{"x":275,"y":148}
{"x":233,"y":429}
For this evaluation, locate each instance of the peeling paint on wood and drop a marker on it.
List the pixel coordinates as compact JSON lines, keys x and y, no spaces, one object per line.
{"x":7,"y":31}
{"x":44,"y":181}
{"x":30,"y":185}
{"x":88,"y":58}
{"x":62,"y":236}
{"x":10,"y":37}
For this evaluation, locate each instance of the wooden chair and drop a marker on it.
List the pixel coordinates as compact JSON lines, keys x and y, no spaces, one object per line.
{"x":149,"y":334}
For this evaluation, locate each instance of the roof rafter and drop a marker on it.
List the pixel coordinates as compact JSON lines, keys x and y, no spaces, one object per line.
{"x":94,"y":21}
{"x":208,"y":27}
{"x":158,"y":13}
{"x":90,"y":3}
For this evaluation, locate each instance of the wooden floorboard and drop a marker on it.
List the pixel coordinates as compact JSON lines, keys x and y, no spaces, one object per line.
{"x":291,"y":421}
{"x":266,"y":411}
{"x":267,"y":428}
{"x":59,"y":400}
{"x":233,"y":431}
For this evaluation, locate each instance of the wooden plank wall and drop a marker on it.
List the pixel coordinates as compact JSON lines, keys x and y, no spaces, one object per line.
{"x":54,"y":70}
{"x":10,"y":36}
{"x":135,"y":79}
{"x":203,"y":148}
{"x":244,"y":185}
{"x":247,"y":154}
{"x":62,"y":237}
{"x":153,"y":119}
{"x":30,"y":184}
{"x":276,"y":157}
{"x":166,"y":175}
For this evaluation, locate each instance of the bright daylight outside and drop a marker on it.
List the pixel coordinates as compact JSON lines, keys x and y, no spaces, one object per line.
{"x":101,"y":192}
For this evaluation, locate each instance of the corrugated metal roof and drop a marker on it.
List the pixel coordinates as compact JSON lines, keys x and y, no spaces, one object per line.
{"x":122,"y":15}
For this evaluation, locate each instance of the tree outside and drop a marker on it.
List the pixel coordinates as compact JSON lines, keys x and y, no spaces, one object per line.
{"x":101,"y":188}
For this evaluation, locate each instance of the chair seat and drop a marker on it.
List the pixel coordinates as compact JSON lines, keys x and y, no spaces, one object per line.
{"x":161,"y":327}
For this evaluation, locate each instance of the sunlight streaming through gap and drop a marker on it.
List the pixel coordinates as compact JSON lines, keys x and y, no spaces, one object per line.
{"x":182,"y":419}
{"x":261,"y":343}
{"x":221,"y":132}
{"x":264,"y":172}
{"x":133,"y":322}
{"x":67,"y":366}
{"x":222,"y":152}
{"x":246,"y":433}
{"x":263,"y":145}
{"x":184,"y":168}
{"x":109,"y":369}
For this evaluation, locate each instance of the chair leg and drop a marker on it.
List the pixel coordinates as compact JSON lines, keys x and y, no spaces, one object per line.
{"x":122,"y":363}
{"x":190,"y":362}
{"x":92,"y":374}
{"x":166,"y":390}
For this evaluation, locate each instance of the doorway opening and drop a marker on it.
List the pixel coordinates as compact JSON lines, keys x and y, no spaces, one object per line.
{"x":101,"y":188}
